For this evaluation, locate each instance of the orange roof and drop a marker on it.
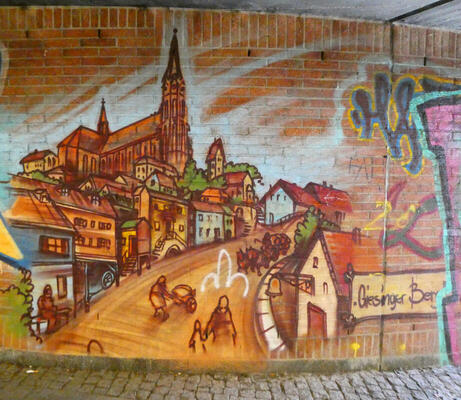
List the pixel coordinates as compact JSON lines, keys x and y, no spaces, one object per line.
{"x":98,"y":182}
{"x":364,"y":255}
{"x":296,"y":193}
{"x":84,"y":138}
{"x":130,"y":181}
{"x":74,"y":197}
{"x":137,"y":130}
{"x":36,"y":155}
{"x":207,"y":207}
{"x":214,"y":192}
{"x":235,"y":178}
{"x":330,"y":197}
{"x":37,"y":209}
{"x":215,"y":146}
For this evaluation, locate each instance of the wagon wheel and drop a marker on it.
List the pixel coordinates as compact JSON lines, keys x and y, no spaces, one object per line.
{"x":191,"y":305}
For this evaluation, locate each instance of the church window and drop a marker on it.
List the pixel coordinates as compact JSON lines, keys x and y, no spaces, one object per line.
{"x":109,"y":163}
{"x":103,"y":165}
{"x":165,"y":107}
{"x":85,"y":164}
{"x":183,"y":107}
{"x":145,"y":149}
{"x":93,"y":165}
{"x":325,"y":288}
{"x":122,"y":161}
{"x":129,"y":157}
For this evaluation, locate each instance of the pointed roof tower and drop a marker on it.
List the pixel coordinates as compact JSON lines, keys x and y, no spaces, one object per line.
{"x":103,"y":123}
{"x":173,"y":70}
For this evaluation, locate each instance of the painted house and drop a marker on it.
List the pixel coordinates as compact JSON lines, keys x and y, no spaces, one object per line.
{"x":146,"y":166}
{"x":46,"y":238}
{"x":313,"y":294}
{"x":94,"y":219}
{"x":336,"y":203}
{"x":135,"y":245}
{"x":215,"y":160}
{"x":43,"y":161}
{"x":168,"y":218}
{"x":240,"y":187}
{"x":206,"y":222}
{"x":286,"y":198}
{"x":214,"y":195}
{"x":104,"y":186}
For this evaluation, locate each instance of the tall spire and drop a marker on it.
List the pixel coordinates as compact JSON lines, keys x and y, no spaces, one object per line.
{"x":103,"y":123}
{"x":173,"y":70}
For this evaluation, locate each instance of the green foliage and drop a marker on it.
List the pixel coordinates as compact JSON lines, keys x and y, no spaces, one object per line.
{"x":40,"y":176}
{"x":305,"y":230}
{"x":237,"y":200}
{"x":18,"y":300}
{"x":329,"y":226}
{"x":193,"y":179}
{"x":244,"y":167}
{"x":217,"y":183}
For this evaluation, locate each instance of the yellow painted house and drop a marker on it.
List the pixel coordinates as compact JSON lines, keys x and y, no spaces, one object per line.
{"x":44,"y":160}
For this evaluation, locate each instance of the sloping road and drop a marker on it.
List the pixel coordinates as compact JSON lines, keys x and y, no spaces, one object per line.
{"x":122,"y":319}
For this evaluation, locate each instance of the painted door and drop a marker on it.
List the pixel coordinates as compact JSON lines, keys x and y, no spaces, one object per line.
{"x":132,"y":246}
{"x":316,"y":321}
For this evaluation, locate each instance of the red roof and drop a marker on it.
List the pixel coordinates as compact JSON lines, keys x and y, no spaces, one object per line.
{"x":37,"y":209}
{"x":84,"y":138}
{"x":36,"y":155}
{"x":364,"y":255}
{"x":207,"y":207}
{"x":235,"y":178}
{"x":215,"y":146}
{"x":330,"y":197}
{"x":296,"y":193}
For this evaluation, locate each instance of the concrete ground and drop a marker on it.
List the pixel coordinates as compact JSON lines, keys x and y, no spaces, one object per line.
{"x":50,"y":383}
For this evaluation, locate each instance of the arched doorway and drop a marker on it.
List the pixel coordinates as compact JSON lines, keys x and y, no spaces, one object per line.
{"x":316,"y":321}
{"x":173,"y":251}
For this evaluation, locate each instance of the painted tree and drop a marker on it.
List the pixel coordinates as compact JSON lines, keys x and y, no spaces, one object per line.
{"x":305,"y":230}
{"x":195,"y":180}
{"x":244,"y":167}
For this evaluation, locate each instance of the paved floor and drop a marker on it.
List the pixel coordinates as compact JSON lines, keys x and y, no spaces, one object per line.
{"x":54,"y":383}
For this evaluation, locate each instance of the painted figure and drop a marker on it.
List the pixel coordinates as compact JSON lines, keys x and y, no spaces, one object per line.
{"x":158,"y":296}
{"x":197,"y":334}
{"x":47,"y":310}
{"x":221,"y":322}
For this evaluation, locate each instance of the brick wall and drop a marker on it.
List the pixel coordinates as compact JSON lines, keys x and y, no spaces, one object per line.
{"x":277,"y":88}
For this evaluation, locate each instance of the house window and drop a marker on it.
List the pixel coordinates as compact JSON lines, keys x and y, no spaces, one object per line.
{"x":80,"y":222}
{"x":208,"y":232}
{"x":315,"y":264}
{"x":181,"y":228}
{"x":278,"y":197}
{"x":157,"y":225}
{"x":325,"y":288}
{"x":217,"y":233}
{"x":200,"y":232}
{"x":62,"y":286}
{"x":284,"y":197}
{"x":93,"y":223}
{"x":80,"y":241}
{"x":54,"y":245}
{"x":200,"y":217}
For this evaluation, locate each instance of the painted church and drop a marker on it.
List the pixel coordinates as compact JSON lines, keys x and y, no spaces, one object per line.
{"x":162,"y":136}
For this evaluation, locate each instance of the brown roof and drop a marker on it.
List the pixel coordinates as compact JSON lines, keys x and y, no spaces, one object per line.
{"x":75,"y":198}
{"x":296,"y":193}
{"x":365,"y":255}
{"x":163,"y":180}
{"x":84,"y":138}
{"x":36,"y":155}
{"x":215,"y":146}
{"x":214,"y":192}
{"x":235,"y":178}
{"x":131,"y":182}
{"x":130,"y":133}
{"x":330,"y":197}
{"x":207,"y":207}
{"x":99,"y":182}
{"x":37,"y":208}
{"x":157,"y":163}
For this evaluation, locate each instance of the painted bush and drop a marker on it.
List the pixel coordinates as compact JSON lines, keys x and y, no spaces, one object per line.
{"x":214,"y":185}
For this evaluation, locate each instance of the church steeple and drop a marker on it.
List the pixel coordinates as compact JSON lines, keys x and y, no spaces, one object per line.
{"x":173,"y":70}
{"x":103,"y":123}
{"x":176,"y":148}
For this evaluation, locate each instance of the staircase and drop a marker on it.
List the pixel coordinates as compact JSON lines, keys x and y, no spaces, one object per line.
{"x":158,"y":248}
{"x":260,"y":214}
{"x":128,"y":266}
{"x":246,"y":229}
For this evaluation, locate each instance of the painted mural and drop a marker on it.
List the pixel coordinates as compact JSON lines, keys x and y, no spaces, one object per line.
{"x":200,"y":225}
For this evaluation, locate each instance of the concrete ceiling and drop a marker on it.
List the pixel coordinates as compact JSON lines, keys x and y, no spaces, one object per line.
{"x":443,"y":13}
